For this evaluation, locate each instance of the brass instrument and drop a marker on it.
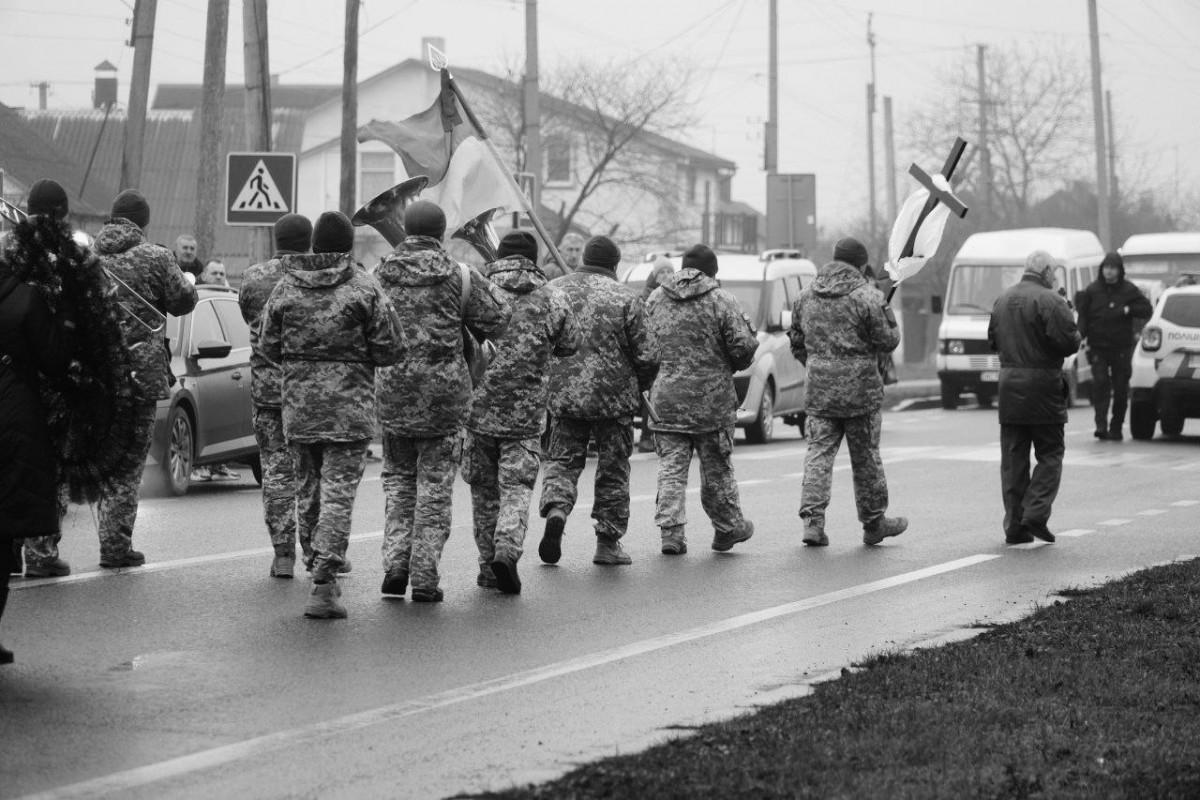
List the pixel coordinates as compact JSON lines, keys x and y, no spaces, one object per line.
{"x":480,"y":234}
{"x":385,"y":213}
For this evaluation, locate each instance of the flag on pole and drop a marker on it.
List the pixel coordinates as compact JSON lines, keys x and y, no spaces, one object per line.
{"x":928,"y":237}
{"x":441,"y":144}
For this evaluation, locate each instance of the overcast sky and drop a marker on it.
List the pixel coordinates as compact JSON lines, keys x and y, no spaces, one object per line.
{"x":1150,"y":51}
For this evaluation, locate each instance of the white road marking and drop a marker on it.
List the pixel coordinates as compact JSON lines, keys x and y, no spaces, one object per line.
{"x":1151,"y":512}
{"x":304,"y":734}
{"x":1114,"y":522}
{"x":1188,"y":466}
{"x":1185,"y":503}
{"x":1077,"y":532}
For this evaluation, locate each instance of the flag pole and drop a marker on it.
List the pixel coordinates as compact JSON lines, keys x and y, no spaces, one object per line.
{"x":512,"y":183}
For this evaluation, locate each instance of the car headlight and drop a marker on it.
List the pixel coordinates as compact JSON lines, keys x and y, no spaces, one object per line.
{"x":1151,"y":338}
{"x":952,"y":347}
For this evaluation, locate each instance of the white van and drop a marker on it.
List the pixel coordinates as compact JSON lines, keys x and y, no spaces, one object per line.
{"x":1156,"y":261}
{"x":986,"y":265}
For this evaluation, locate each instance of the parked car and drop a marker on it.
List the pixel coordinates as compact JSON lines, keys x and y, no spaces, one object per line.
{"x":207,"y":419}
{"x":1165,"y":387}
{"x":766,"y":286}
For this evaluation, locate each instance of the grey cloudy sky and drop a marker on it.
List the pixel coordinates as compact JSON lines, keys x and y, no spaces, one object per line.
{"x":1150,"y":49}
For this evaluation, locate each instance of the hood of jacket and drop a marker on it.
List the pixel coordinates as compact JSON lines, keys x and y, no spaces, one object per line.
{"x":688,"y":284}
{"x":117,"y":236}
{"x":320,"y":270}
{"x":838,"y":279}
{"x":516,"y":274}
{"x":417,"y":261}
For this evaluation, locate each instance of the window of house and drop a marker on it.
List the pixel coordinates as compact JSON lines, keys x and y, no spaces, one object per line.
{"x":377,"y":174}
{"x":558,"y":159}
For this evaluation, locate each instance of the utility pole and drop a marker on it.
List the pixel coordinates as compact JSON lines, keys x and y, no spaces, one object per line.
{"x":771,"y":139}
{"x":1115,"y":185}
{"x":871,"y":137}
{"x":43,"y":92}
{"x":532,"y":106}
{"x":139,"y":92}
{"x":985,"y":164}
{"x":889,"y":154}
{"x":208,"y":184}
{"x":258,"y":104}
{"x":1102,"y":202}
{"x":349,"y":111}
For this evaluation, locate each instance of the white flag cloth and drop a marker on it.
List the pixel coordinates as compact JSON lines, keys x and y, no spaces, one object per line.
{"x":928,"y":238}
{"x":473,"y":184}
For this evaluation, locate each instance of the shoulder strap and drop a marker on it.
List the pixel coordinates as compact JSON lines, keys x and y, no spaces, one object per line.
{"x":465,"y":273}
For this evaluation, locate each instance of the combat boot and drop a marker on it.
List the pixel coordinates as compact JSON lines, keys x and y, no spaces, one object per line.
{"x":284,"y":565}
{"x":486,"y":578}
{"x":884,"y":528}
{"x":674,"y":542}
{"x":815,"y":537}
{"x":506,"y":576}
{"x":345,"y":566}
{"x":740,"y":533}
{"x":323,"y":602}
{"x":395,"y":582}
{"x":49,"y":569}
{"x":131,"y":559}
{"x":1040,"y":531}
{"x":550,"y":549}
{"x":427,"y":595}
{"x":610,"y":553}
{"x":1114,"y":432}
{"x":1017,"y":534}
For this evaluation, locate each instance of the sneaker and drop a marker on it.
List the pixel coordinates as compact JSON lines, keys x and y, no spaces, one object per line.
{"x":486,"y":578}
{"x":323,"y":602}
{"x":1036,"y":529}
{"x":131,"y":559}
{"x":506,"y":576}
{"x":50,"y":569}
{"x":201,"y":474}
{"x":550,"y":548}
{"x":395,"y":582}
{"x":674,"y":542}
{"x":1018,"y":535}
{"x":427,"y":595}
{"x":815,"y":537}
{"x":885,"y":528}
{"x":740,"y":533}
{"x":609,"y":552}
{"x":284,"y":566}
{"x":220,"y":472}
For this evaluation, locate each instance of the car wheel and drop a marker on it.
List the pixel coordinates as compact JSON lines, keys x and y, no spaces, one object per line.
{"x":762,"y":430}
{"x":177,"y":465}
{"x":1171,"y":422}
{"x":256,"y":469}
{"x":1141,"y":420}
{"x":949,"y":397}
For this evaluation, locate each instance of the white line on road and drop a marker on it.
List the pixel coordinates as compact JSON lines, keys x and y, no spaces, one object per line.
{"x":1185,"y":503}
{"x":1114,"y":522}
{"x":1077,"y":532}
{"x":1151,"y":512}
{"x":250,"y":748}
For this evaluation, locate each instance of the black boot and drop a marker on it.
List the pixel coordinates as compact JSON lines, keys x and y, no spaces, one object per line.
{"x":6,"y":656}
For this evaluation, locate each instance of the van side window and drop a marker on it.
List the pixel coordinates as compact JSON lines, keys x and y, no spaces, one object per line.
{"x":793,"y":286}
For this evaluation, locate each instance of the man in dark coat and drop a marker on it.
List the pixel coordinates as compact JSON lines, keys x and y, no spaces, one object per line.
{"x":1112,"y":312}
{"x":701,"y":337}
{"x":1033,"y":330}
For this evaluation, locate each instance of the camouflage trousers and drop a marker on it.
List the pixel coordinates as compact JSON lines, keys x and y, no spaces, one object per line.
{"x":42,"y":550}
{"x":119,"y":498}
{"x":279,"y":482}
{"x":327,"y":478}
{"x":418,"y":483}
{"x":718,"y":488}
{"x":824,"y":440}
{"x":566,"y":457}
{"x":501,"y":473}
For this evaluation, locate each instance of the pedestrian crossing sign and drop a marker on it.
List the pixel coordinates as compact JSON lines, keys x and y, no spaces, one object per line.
{"x":259,"y":187}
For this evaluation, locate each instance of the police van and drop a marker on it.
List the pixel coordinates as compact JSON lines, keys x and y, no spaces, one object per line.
{"x":1155,"y":261}
{"x":986,"y":265}
{"x":1165,"y":387}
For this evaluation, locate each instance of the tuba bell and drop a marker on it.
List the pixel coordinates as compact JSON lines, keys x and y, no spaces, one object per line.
{"x":386,"y":212}
{"x":480,"y":234}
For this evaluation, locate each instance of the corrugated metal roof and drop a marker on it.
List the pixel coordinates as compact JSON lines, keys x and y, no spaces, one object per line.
{"x":188,"y":95}
{"x":28,"y":156}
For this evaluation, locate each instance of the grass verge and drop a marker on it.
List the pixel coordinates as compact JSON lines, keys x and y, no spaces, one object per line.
{"x":1096,"y":697}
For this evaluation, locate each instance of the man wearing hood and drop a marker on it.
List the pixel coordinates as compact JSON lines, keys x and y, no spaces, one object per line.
{"x":840,"y":326}
{"x":661,"y":270}
{"x":1112,"y":311}
{"x":293,"y":236}
{"x":701,"y":337}
{"x":502,"y":452}
{"x":328,"y":325}
{"x":425,"y":402}
{"x":594,"y":395}
{"x":151,"y":271}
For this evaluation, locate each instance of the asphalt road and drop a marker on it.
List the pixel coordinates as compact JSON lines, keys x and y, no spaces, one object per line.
{"x":197,"y":676}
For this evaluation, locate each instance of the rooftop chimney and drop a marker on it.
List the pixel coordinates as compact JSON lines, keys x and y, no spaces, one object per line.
{"x":105,"y":93}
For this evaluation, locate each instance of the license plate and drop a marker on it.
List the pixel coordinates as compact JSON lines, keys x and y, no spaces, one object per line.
{"x":991,"y":376}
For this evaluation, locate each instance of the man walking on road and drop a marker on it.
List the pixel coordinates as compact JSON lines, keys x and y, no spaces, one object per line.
{"x":1112,"y":312}
{"x":702,"y":338}
{"x":840,"y":326}
{"x":1033,"y":331}
{"x":594,"y":394}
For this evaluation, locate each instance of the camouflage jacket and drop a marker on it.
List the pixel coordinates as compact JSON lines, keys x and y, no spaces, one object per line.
{"x":702,"y":337}
{"x":615,"y":361}
{"x":840,"y":325}
{"x":430,"y":393}
{"x":510,"y":401}
{"x":328,"y":325}
{"x":149,"y":270}
{"x":257,"y":284}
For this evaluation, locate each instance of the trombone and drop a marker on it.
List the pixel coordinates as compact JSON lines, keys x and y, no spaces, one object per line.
{"x":158,"y":319}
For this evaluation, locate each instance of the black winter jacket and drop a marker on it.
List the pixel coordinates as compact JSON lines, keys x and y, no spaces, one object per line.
{"x":1110,"y":315}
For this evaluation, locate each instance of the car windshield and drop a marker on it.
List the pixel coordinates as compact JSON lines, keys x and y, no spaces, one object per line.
{"x":1182,"y":310}
{"x":1162,"y":268}
{"x":749,"y":295}
{"x":974,"y":288}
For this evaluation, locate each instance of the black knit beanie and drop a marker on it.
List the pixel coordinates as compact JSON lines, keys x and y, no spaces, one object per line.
{"x":131,"y":205}
{"x":293,"y":232}
{"x":424,"y":218}
{"x":48,"y":198}
{"x":701,"y":257}
{"x":1112,"y":260}
{"x":851,"y":251}
{"x":518,"y":243}
{"x":333,"y":233}
{"x":600,"y":251}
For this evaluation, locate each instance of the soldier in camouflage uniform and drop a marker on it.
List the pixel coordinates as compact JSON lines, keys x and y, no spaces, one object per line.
{"x":840,"y":325}
{"x":293,"y":236}
{"x":424,"y":403}
{"x":702,"y":337}
{"x":502,"y":453}
{"x":328,"y":325}
{"x":151,"y":271}
{"x":594,"y":395}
